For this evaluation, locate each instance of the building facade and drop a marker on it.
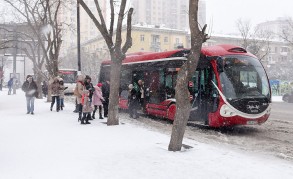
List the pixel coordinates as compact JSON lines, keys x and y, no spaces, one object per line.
{"x":170,"y":13}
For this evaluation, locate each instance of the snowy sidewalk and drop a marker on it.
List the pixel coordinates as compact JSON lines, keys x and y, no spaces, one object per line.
{"x":53,"y":145}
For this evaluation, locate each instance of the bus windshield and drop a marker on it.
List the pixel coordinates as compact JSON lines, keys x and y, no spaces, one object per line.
{"x":243,"y":77}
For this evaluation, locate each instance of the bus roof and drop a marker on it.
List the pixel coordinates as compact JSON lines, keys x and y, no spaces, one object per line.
{"x":217,"y":50}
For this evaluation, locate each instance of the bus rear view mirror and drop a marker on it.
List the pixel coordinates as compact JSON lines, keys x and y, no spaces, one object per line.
{"x":220,"y":64}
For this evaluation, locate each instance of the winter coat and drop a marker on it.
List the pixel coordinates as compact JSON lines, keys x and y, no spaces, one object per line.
{"x":89,"y":86}
{"x":30,"y":89}
{"x":133,"y":101}
{"x":55,"y":88}
{"x":79,"y":88}
{"x":106,"y":91}
{"x":86,"y":104}
{"x":61,"y":91}
{"x":98,"y":96}
{"x":10,"y":83}
{"x":45,"y":88}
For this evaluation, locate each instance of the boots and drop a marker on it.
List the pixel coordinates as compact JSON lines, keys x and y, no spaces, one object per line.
{"x":93,"y":116}
{"x":88,"y":118}
{"x":100,"y":114}
{"x":82,"y":120}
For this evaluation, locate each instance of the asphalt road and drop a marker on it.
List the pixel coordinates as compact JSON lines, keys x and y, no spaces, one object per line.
{"x":282,"y":111}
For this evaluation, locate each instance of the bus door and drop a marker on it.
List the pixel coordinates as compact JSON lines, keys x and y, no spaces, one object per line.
{"x":204,"y":94}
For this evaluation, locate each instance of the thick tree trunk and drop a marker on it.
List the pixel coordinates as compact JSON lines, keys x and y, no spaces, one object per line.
{"x":39,"y":81}
{"x":182,"y":110}
{"x":113,"y":118}
{"x":181,"y":90}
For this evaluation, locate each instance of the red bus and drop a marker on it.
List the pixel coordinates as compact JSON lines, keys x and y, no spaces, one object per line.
{"x":69,"y":78}
{"x":230,"y":86}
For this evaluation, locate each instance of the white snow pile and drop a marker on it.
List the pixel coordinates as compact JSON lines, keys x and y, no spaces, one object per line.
{"x":53,"y":145}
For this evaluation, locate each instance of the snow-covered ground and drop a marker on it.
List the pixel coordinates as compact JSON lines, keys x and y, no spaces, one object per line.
{"x":54,"y":145}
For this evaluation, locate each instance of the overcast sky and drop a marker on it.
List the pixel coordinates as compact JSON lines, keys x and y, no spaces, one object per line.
{"x":223,"y":13}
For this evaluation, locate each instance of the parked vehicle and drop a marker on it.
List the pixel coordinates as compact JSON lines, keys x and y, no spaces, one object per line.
{"x":288,"y":97}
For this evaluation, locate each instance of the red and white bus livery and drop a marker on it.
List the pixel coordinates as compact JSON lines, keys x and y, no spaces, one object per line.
{"x":229,"y":87}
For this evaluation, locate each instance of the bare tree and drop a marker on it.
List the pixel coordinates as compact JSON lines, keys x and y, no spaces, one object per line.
{"x":117,"y":51}
{"x":42,"y":18}
{"x":183,"y":106}
{"x":25,"y":42}
{"x":255,"y":40}
{"x":287,"y":33}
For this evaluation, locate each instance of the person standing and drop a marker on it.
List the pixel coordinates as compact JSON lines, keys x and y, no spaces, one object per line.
{"x":55,"y":93}
{"x":106,"y":95}
{"x":31,"y":91}
{"x":61,"y":97}
{"x":89,"y":86}
{"x":133,"y":102}
{"x":10,"y":85}
{"x":86,"y":107}
{"x":141,"y":93}
{"x":45,"y":88}
{"x":97,"y":100}
{"x":78,"y":93}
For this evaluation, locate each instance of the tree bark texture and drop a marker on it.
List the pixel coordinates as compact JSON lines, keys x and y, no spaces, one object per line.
{"x":113,"y":118}
{"x":183,"y":105}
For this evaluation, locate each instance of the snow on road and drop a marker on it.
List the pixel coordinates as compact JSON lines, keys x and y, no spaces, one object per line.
{"x":54,"y":145}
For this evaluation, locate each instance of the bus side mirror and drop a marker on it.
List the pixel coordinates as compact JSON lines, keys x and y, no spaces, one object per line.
{"x":220,"y":64}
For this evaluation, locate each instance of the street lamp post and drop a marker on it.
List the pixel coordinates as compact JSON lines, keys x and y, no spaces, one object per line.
{"x":78,"y":38}
{"x":14,"y":58}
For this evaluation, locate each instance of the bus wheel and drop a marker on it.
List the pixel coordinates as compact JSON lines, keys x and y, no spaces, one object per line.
{"x":171,"y":112}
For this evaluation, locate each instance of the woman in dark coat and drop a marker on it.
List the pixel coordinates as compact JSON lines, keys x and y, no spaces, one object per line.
{"x":133,"y":102}
{"x":31,"y":91}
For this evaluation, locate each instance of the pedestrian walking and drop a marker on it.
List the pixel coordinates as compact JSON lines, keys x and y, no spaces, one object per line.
{"x":31,"y":91}
{"x":97,"y":100}
{"x":10,"y":85}
{"x":55,"y":94}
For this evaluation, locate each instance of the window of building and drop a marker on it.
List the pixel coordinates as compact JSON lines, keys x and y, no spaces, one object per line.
{"x":142,"y":38}
{"x":165,"y":39}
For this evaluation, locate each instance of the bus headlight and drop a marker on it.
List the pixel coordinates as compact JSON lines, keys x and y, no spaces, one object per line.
{"x":226,"y":111}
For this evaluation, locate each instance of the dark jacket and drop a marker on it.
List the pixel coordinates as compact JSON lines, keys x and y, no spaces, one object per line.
{"x":133,"y":101}
{"x":89,"y":86}
{"x":30,"y":89}
{"x":106,"y":91}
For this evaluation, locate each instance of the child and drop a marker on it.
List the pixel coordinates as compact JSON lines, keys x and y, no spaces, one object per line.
{"x":86,"y":107}
{"x":61,"y":97}
{"x":97,"y":100}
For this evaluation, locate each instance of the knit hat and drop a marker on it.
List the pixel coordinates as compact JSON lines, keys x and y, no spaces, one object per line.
{"x":99,"y":84}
